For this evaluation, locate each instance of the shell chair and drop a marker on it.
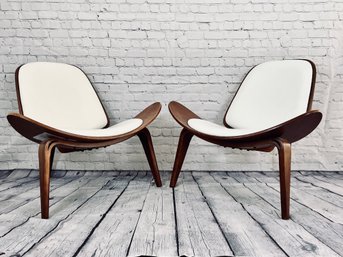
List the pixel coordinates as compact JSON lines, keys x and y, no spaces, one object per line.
{"x":59,"y":108}
{"x":272,"y":108}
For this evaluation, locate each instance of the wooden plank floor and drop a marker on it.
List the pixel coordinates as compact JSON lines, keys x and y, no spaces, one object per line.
{"x":208,"y":214}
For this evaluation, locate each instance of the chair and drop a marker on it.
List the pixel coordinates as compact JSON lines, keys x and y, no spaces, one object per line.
{"x":272,"y":108}
{"x":59,"y":108}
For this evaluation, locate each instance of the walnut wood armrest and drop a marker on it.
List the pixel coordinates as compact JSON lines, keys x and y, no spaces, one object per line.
{"x":182,"y":114}
{"x":31,"y":129}
{"x":298,"y":127}
{"x":291,"y":130}
{"x":149,"y":114}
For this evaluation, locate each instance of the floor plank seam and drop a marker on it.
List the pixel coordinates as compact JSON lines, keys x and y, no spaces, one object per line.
{"x":214,"y":216}
{"x":295,"y":200}
{"x":103,"y":217}
{"x":319,"y":196}
{"x":31,"y":216}
{"x":314,"y":185}
{"x":176,"y":225}
{"x":62,"y":220}
{"x":139,"y":216}
{"x":208,"y":214}
{"x":304,"y":227}
{"x":276,"y":243}
{"x":25,"y":202}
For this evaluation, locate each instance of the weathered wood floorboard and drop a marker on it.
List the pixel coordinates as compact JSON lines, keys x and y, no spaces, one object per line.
{"x":313,"y":180}
{"x":73,"y":231}
{"x":25,"y":193}
{"x":334,"y":181}
{"x":329,"y":210}
{"x":5,"y":185}
{"x":24,"y":212}
{"x":322,"y":228}
{"x":198,"y":232}
{"x":22,"y":238}
{"x":318,"y":191}
{"x":17,"y":174}
{"x":102,"y":213}
{"x":290,"y":236}
{"x":246,"y":236}
{"x":156,"y":233}
{"x":112,"y":237}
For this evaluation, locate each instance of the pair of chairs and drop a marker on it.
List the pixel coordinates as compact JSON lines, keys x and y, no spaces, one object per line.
{"x":59,"y":108}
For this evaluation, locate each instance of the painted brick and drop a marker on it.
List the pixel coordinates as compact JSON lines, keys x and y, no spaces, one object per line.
{"x":197,"y":52}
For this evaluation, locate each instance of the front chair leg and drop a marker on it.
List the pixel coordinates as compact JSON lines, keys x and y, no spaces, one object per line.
{"x":284,"y":149}
{"x":45,"y":155}
{"x":145,"y":138}
{"x":184,"y":140}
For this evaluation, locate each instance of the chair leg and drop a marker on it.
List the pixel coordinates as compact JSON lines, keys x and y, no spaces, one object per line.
{"x":45,"y":155}
{"x":184,"y":140}
{"x":145,"y":138}
{"x":284,"y":149}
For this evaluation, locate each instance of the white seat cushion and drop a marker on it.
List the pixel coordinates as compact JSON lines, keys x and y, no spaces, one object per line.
{"x":210,"y":128}
{"x":115,"y":130}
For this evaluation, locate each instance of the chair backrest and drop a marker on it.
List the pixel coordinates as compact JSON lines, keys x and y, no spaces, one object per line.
{"x":271,"y":93}
{"x":59,"y":95}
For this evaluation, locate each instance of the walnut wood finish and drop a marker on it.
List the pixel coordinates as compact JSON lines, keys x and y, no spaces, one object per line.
{"x":45,"y":156}
{"x":280,"y":136}
{"x":184,"y":140}
{"x":68,"y":142}
{"x":145,"y":137}
{"x":284,"y":149}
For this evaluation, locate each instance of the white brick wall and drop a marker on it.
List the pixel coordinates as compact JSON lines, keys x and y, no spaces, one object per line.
{"x":194,"y":51}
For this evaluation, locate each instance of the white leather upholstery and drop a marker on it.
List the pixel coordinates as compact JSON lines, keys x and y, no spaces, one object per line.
{"x":210,"y":128}
{"x":115,"y":130}
{"x":272,"y":93}
{"x":59,"y":95}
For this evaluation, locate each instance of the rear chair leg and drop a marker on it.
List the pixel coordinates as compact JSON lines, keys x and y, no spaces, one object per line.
{"x":145,"y":138}
{"x":284,"y":149}
{"x":45,"y":154}
{"x":184,"y":140}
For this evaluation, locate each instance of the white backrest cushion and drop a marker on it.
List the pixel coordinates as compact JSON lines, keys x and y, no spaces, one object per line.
{"x":273,"y":92}
{"x":59,"y":95}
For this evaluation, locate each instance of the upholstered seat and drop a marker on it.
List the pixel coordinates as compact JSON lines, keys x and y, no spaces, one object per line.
{"x":212,"y":129}
{"x":118,"y":129}
{"x":272,"y":108}
{"x":59,"y":108}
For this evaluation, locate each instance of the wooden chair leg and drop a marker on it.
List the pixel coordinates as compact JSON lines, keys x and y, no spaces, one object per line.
{"x":45,"y":155}
{"x":284,"y":149}
{"x":145,"y":138}
{"x":184,"y":140}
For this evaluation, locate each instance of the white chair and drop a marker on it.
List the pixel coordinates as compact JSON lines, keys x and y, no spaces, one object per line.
{"x":272,"y":108}
{"x":58,"y":107}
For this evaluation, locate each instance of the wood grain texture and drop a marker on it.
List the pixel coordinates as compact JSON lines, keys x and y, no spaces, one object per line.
{"x":155,"y":233}
{"x":114,"y":234}
{"x":324,"y":229}
{"x":198,"y":232}
{"x":31,"y":209}
{"x":69,"y":235}
{"x":239,"y":228}
{"x":207,"y":214}
{"x":290,"y":236}
{"x":21,"y":239}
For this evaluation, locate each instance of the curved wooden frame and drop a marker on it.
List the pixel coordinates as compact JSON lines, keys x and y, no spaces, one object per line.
{"x":67,"y":142}
{"x":280,"y":136}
